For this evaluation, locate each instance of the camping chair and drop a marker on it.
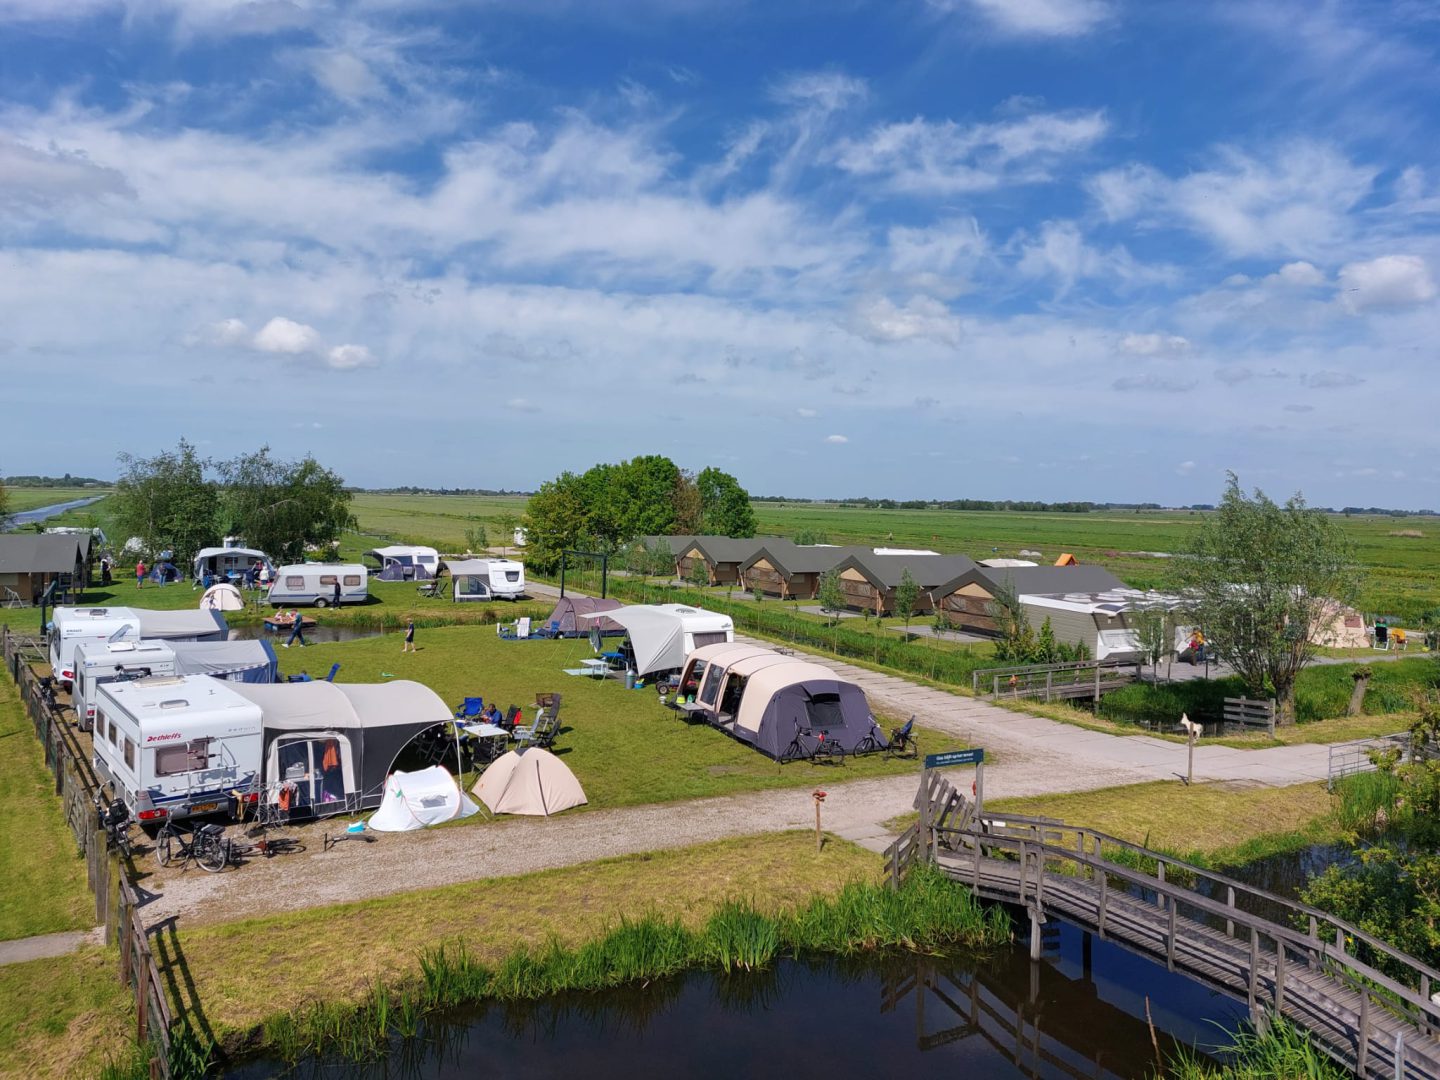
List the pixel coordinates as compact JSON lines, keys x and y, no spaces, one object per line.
{"x":13,"y":599}
{"x":334,"y":670}
{"x":542,"y":732}
{"x":431,"y":588}
{"x":903,"y":742}
{"x":513,"y":716}
{"x":469,"y":708}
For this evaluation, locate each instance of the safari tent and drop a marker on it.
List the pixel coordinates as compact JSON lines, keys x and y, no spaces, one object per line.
{"x":29,"y":562}
{"x":414,"y":800}
{"x":1340,"y":627}
{"x":1104,"y":622}
{"x":767,"y":699}
{"x":222,"y":597}
{"x":251,"y":661}
{"x":336,"y":743}
{"x":566,"y":622}
{"x":530,"y":781}
{"x":405,"y":562}
{"x":663,"y":635}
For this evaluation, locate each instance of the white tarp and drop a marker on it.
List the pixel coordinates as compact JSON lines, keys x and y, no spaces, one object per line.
{"x":252,"y":658}
{"x":530,"y":781}
{"x":657,"y":631}
{"x":222,"y":597}
{"x":416,"y":799}
{"x":181,"y":625}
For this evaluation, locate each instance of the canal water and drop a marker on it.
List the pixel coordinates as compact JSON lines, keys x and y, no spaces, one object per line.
{"x":1079,"y":1012}
{"x":317,"y":635}
{"x":27,"y":517}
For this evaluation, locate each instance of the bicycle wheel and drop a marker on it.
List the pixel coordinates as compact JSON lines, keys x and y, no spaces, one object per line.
{"x":214,"y":854}
{"x":164,"y":847}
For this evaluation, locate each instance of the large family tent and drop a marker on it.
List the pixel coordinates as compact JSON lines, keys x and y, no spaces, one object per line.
{"x":251,"y":661}
{"x":406,"y":562}
{"x":194,"y":625}
{"x":530,"y":781}
{"x":766,"y":699}
{"x":566,"y":617}
{"x":662,"y":635}
{"x":222,"y":597}
{"x":414,"y":800}
{"x":337,"y":742}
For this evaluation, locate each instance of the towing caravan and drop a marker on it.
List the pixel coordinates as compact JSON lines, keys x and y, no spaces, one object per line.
{"x":175,"y":746}
{"x":485,"y":579}
{"x":114,"y":661}
{"x":406,"y":562}
{"x":72,"y":626}
{"x":314,"y":583}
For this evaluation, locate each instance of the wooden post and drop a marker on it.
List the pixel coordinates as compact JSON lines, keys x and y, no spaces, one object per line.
{"x":925,"y":814}
{"x":1160,"y":875}
{"x":979,"y":788}
{"x":1230,"y":903}
{"x":1279,"y":977}
{"x":1170,"y":941}
{"x":1254,"y":968}
{"x":1034,"y":932}
{"x":1364,"y":1053}
{"x":1104,"y":898}
{"x":819,"y":797}
{"x":1400,"y":1055}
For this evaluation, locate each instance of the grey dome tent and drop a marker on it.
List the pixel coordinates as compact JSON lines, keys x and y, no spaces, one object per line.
{"x":565,"y":619}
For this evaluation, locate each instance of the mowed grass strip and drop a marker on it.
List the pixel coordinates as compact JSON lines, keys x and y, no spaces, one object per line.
{"x":42,"y":880}
{"x":64,"y":1017}
{"x":336,"y":954}
{"x":623,"y":745}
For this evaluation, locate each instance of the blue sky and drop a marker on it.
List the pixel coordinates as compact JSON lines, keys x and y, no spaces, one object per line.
{"x":920,"y":248}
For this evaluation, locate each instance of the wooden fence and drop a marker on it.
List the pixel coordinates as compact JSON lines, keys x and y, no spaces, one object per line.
{"x":1056,"y":682}
{"x":1247,"y":713}
{"x":116,"y":904}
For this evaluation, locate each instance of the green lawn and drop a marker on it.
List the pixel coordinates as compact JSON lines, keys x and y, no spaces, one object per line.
{"x":22,"y":499}
{"x":623,"y":745}
{"x":42,"y":880}
{"x":65,"y":1018}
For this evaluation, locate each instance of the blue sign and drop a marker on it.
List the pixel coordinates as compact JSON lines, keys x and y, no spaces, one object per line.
{"x":955,"y":757}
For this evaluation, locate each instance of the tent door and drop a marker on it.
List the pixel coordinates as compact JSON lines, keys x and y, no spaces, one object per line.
{"x":318,"y":766}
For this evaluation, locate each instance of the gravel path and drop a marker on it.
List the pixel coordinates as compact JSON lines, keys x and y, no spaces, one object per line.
{"x":1033,"y":756}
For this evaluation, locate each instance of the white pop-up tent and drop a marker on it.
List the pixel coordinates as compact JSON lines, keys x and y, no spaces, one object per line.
{"x":530,"y":781}
{"x":222,"y":597}
{"x":414,"y":800}
{"x":663,"y":635}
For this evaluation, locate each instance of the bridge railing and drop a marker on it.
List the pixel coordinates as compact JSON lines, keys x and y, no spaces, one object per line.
{"x":1079,"y":678}
{"x":1040,"y":844}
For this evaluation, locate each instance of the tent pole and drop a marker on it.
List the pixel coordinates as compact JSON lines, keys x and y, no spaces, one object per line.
{"x":459,"y":769}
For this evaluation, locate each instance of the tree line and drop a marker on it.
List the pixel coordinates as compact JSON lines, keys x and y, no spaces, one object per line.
{"x":609,"y":506}
{"x":181,"y":502}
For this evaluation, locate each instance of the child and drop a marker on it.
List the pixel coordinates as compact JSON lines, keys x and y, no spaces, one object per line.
{"x":409,"y":645}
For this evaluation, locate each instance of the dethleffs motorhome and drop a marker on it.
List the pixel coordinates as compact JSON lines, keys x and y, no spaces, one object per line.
{"x":72,"y":626}
{"x":485,"y":579}
{"x":177,"y":746}
{"x":314,"y":583}
{"x":111,"y":661}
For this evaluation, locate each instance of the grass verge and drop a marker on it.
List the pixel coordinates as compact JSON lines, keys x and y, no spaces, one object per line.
{"x":1282,"y":1052}
{"x":66,"y":1017}
{"x":42,"y":880}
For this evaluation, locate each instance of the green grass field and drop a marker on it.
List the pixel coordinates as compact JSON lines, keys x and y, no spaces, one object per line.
{"x":22,"y":499}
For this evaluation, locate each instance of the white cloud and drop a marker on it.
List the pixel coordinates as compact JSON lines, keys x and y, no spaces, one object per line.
{"x":521,"y":404}
{"x":1039,"y":18}
{"x":880,"y":319}
{"x":927,"y":157}
{"x":30,"y":177}
{"x":1185,"y":467}
{"x":1391,"y":281}
{"x":226,"y":332}
{"x":826,"y":90}
{"x":1296,"y":275}
{"x":1061,"y":254}
{"x":836,"y":439}
{"x":349,"y":357}
{"x":345,"y":75}
{"x":807,"y":414}
{"x":282,"y":335}
{"x":1154,"y":344}
{"x":1155,"y":383}
{"x":1330,"y":380}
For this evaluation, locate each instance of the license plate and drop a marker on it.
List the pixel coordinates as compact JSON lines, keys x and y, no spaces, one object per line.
{"x":204,"y":807}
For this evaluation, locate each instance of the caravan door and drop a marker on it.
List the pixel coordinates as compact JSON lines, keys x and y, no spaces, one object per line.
{"x":316,"y":769}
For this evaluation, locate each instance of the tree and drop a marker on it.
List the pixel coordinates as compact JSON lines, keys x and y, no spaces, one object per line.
{"x":688,"y":510}
{"x":168,"y":502}
{"x":5,"y":512}
{"x":284,"y":507}
{"x":810,"y":536}
{"x":1017,"y":640}
{"x":1260,"y":578}
{"x":699,"y":573}
{"x":1047,"y":649}
{"x":906,"y":594}
{"x":476,"y":537}
{"x":556,"y":519}
{"x":831,"y":594}
{"x":725,"y":508}
{"x":506,"y":523}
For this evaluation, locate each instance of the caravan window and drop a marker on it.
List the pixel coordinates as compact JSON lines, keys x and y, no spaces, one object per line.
{"x":352,"y":579}
{"x":182,"y":757}
{"x":512,"y":575}
{"x":99,"y":725}
{"x":327,"y":579}
{"x":294,"y":581}
{"x":716,"y":637}
{"x":129,"y":754}
{"x":114,"y":736}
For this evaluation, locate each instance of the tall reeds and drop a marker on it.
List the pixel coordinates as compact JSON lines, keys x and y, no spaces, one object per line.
{"x":1280,"y":1052}
{"x":927,"y":914}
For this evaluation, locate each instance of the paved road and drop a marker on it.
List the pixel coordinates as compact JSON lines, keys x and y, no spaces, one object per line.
{"x":44,"y":946}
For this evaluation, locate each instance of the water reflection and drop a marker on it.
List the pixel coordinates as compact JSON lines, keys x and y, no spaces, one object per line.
{"x":1080,"y":1012}
{"x":319,"y":635}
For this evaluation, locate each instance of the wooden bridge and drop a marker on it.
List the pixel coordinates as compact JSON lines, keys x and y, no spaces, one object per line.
{"x":1363,"y":1002}
{"x":1055,"y":682}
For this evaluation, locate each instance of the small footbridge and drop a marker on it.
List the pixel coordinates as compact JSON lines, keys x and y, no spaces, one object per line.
{"x":1367,"y":1005}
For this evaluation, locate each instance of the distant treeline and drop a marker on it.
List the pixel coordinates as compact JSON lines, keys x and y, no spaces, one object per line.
{"x":436,"y":491}
{"x":1006,"y":505}
{"x":66,"y":481}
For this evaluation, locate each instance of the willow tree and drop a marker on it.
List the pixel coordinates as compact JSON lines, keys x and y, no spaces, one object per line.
{"x":1261,"y":579}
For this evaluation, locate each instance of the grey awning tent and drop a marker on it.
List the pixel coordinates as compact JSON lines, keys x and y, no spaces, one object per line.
{"x":406,"y":562}
{"x":658,"y":632}
{"x":566,"y":621}
{"x":182,"y":625}
{"x":378,"y":720}
{"x":237,"y":661}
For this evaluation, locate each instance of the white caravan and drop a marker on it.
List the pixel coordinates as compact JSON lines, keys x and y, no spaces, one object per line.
{"x":222,"y":562}
{"x":113,"y":661}
{"x":314,"y":583}
{"x":72,"y":626}
{"x":175,"y":747}
{"x":486,"y":579}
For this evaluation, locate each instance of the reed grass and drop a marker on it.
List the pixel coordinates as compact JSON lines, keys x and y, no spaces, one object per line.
{"x":1368,"y":801}
{"x":1280,"y":1052}
{"x":928,"y":913}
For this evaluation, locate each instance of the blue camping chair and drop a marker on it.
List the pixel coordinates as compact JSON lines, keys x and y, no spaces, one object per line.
{"x":334,"y":670}
{"x":902,"y":740}
{"x":470,"y":708}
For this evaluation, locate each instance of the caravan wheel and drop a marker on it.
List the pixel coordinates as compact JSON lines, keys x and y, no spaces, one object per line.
{"x":320,"y":601}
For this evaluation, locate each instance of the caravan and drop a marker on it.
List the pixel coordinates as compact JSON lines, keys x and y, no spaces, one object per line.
{"x":486,"y":579}
{"x":403,"y":562}
{"x":114,"y":661}
{"x":224,"y":563}
{"x":72,"y":626}
{"x":177,"y":746}
{"x":314,"y":583}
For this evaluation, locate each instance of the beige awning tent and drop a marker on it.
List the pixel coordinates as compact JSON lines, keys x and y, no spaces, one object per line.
{"x":530,"y":781}
{"x":1339,"y":627}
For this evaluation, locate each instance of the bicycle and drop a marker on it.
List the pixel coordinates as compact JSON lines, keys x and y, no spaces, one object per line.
{"x":114,"y":819}
{"x":204,"y":846}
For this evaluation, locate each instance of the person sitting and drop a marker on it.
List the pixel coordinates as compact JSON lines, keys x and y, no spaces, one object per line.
{"x":491,"y":715}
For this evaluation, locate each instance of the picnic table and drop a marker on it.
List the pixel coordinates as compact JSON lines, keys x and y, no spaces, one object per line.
{"x":598,"y":666}
{"x":691,"y":707}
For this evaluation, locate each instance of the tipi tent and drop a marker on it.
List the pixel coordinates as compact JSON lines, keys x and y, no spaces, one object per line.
{"x":414,"y":800}
{"x":564,"y":617}
{"x":222,"y":597}
{"x":530,"y":781}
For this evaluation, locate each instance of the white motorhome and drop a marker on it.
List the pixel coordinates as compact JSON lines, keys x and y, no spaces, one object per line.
{"x":72,"y":626}
{"x":112,"y":661}
{"x":314,"y":583}
{"x":177,"y":746}
{"x":486,"y":579}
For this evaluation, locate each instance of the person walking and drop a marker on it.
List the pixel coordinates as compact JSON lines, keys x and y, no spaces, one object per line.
{"x":335,"y":601}
{"x":297,"y":629}
{"x":409,"y":645}
{"x":139,"y":573}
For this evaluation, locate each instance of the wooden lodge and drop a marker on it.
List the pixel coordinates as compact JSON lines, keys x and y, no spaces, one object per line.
{"x":29,"y":562}
{"x":792,"y":571}
{"x":965,"y":599}
{"x":722,"y":557}
{"x":869,"y":581}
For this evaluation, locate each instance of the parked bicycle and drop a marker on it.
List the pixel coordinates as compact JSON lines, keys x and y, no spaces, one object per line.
{"x":114,"y":819}
{"x":205,"y":846}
